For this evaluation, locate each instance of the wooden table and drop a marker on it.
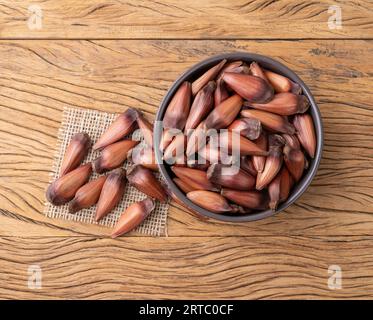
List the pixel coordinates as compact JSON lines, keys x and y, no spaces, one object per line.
{"x":108,"y":55}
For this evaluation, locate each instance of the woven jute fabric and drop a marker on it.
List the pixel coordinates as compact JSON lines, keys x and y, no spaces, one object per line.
{"x":94,"y":123}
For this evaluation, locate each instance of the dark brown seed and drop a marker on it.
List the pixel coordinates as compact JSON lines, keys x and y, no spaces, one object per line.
{"x":234,"y":67}
{"x":209,"y":75}
{"x":178,"y":110}
{"x":145,"y":181}
{"x":195,"y":178}
{"x":230,"y":176}
{"x":296,"y":88}
{"x":113,"y":156}
{"x":259,"y":161}
{"x":251,"y":88}
{"x":221,"y":93}
{"x":121,"y":127}
{"x":144,"y":156}
{"x":286,"y":184}
{"x":281,"y":83}
{"x":257,"y":71}
{"x":270,"y":120}
{"x":75,"y":153}
{"x":273,"y":162}
{"x":276,"y":141}
{"x":197,"y":185}
{"x":274,"y":192}
{"x":231,"y":67}
{"x":248,"y":199}
{"x":174,"y":153}
{"x":87,"y":195}
{"x":246,"y":127}
{"x":215,"y":155}
{"x":243,"y":69}
{"x":184,"y":186}
{"x":306,"y":133}
{"x":292,"y":141}
{"x":64,"y":188}
{"x":246,"y":164}
{"x":295,"y":161}
{"x":167,"y":136}
{"x":189,"y":210}
{"x":200,"y":164}
{"x":197,"y":139}
{"x":224,"y":114}
{"x":133,"y":216}
{"x":202,"y":105}
{"x":146,"y":129}
{"x":238,"y":144}
{"x":240,"y":210}
{"x":210,"y":201}
{"x":284,"y":104}
{"x":111,"y":193}
{"x":306,"y":164}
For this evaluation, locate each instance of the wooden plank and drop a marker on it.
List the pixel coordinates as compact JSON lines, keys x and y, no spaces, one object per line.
{"x":191,"y":19}
{"x":181,"y":268}
{"x":39,"y":78}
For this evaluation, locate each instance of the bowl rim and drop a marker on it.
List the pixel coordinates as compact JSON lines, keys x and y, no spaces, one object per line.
{"x":275,"y":66}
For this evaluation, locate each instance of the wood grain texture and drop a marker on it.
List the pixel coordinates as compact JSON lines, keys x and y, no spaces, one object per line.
{"x":127,"y":53}
{"x":172,"y":268}
{"x":39,"y":78}
{"x":191,"y":19}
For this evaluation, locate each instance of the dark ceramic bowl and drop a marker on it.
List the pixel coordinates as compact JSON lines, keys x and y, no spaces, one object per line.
{"x":270,"y":64}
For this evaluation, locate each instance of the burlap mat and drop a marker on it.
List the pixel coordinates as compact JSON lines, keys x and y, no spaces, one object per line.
{"x":95,"y":123}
